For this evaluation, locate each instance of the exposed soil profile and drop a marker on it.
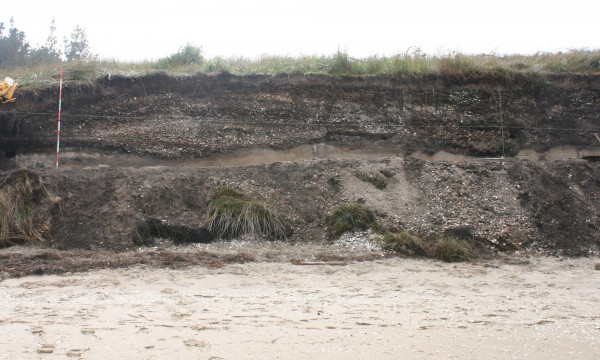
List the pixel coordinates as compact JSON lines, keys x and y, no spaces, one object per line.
{"x":141,"y":157}
{"x":133,"y":265}
{"x":191,"y":117}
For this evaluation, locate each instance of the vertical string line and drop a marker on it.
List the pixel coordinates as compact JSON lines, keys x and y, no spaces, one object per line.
{"x":59,"y":109}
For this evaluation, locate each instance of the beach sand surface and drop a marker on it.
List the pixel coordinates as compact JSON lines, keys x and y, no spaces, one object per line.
{"x":522,"y":307}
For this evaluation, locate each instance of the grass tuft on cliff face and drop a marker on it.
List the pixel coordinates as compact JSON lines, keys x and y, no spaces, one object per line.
{"x":231,"y":214}
{"x":350,"y":217}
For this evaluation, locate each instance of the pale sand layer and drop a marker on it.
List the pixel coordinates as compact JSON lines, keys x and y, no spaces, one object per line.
{"x":538,"y":308}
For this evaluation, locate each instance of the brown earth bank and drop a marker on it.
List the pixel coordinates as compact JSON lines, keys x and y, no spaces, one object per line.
{"x":145,"y":155}
{"x":500,"y":205}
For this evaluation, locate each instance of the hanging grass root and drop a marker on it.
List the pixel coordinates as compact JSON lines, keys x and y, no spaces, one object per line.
{"x":20,"y":223}
{"x":443,"y":248}
{"x":231,"y":214}
{"x":350,"y":217}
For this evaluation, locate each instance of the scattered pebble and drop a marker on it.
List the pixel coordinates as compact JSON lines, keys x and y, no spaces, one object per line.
{"x":362,"y":240}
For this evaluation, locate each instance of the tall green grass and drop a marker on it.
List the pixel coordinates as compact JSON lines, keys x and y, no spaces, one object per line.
{"x":231,"y":214}
{"x":189,"y":61}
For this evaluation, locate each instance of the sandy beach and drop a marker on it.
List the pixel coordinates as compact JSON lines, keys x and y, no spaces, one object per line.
{"x":515,"y":308}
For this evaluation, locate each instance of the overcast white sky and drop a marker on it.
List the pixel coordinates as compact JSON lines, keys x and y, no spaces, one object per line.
{"x":148,"y":29}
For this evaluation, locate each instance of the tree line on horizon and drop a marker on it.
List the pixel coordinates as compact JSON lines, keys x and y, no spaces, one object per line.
{"x":17,"y":54}
{"x":15,"y":51}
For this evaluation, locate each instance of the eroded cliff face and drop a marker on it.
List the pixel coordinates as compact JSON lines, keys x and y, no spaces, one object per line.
{"x":191,"y":117}
{"x":500,"y":205}
{"x":152,"y":150}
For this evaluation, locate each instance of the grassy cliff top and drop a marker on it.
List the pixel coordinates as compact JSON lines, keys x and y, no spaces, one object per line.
{"x":411,"y":64}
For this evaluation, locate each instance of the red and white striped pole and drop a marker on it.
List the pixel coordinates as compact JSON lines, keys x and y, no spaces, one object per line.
{"x":59,"y":108}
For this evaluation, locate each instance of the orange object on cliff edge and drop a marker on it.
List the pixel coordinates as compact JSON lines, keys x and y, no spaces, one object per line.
{"x":7,"y":89}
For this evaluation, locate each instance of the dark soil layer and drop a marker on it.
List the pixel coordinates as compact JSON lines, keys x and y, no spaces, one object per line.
{"x":187,"y":117}
{"x":498,"y":205}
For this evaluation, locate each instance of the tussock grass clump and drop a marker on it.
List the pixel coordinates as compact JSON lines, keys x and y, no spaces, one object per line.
{"x":405,"y":243}
{"x":350,"y":217}
{"x":231,"y":214}
{"x":18,"y":221}
{"x":341,"y":63}
{"x":378,"y":181}
{"x":443,"y":248}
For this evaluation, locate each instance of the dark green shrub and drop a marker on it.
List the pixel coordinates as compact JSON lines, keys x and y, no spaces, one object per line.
{"x":186,"y":55}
